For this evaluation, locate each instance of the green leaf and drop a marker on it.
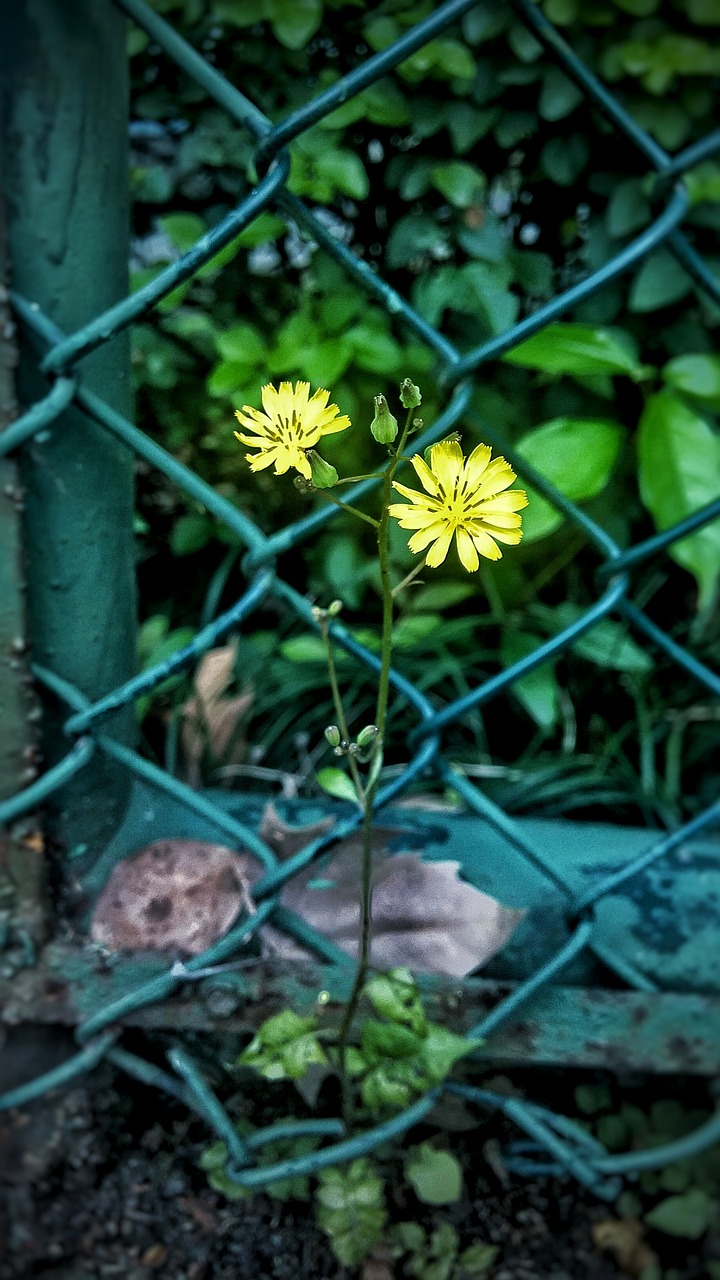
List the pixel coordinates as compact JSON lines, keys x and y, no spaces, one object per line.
{"x":243,"y":343}
{"x":477,"y":1260}
{"x":395,"y":995}
{"x":687,"y":1216}
{"x":182,"y":229}
{"x":462,"y":184}
{"x":229,"y":376}
{"x":696,"y":375}
{"x":294,"y":22}
{"x":628,"y":210}
{"x":538,"y":691}
{"x":350,"y":1209}
{"x":659,"y":282}
{"x":559,"y":95}
{"x":437,"y":596}
{"x":189,"y":534}
{"x":284,"y":1047}
{"x":577,"y":455}
{"x":344,"y":170}
{"x":391,"y":1085}
{"x":607,"y":644}
{"x":388,"y":1040}
{"x":337,"y":784}
{"x":435,"y":1176}
{"x":374,"y":350}
{"x":679,"y":456}
{"x":263,"y":229}
{"x":440,"y":1050}
{"x":242,"y":13}
{"x":305,"y":649}
{"x":579,"y":349}
{"x":408,"y":1237}
{"x":563,"y":159}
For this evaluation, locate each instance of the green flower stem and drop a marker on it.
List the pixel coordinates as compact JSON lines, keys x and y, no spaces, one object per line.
{"x":369,"y":797}
{"x":410,"y":577}
{"x":354,"y":511}
{"x":339,"y":709}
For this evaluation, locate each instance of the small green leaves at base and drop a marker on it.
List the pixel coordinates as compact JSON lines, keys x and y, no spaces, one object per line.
{"x":435,"y":1176}
{"x":350,"y":1209}
{"x":284,"y":1047}
{"x":337,"y":784}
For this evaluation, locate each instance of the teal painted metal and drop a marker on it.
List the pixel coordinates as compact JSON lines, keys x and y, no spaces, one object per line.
{"x":63,"y":159}
{"x":605,"y":915}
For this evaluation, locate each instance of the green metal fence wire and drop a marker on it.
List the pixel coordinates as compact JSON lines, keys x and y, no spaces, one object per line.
{"x":563,"y":1145}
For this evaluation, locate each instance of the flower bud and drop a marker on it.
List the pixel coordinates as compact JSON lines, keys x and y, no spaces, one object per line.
{"x":302,"y":485}
{"x":367,"y":736}
{"x":334,"y":608}
{"x":410,"y":394}
{"x":332,"y":734}
{"x":324,"y":475}
{"x":383,"y":426}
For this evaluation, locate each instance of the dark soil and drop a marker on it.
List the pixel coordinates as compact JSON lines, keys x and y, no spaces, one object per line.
{"x":102,"y":1180}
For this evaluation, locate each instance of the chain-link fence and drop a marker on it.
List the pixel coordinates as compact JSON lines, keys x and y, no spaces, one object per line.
{"x":100,"y":748}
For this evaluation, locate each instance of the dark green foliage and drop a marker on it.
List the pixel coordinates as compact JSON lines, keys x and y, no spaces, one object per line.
{"x":481,"y":183}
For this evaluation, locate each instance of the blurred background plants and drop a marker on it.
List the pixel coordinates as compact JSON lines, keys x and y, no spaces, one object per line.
{"x":479,"y":182}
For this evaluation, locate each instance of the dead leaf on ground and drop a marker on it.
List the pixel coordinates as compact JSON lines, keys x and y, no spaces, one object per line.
{"x":174,"y":895}
{"x":424,"y":915}
{"x":210,"y":720}
{"x":624,"y":1238}
{"x":183,"y":895}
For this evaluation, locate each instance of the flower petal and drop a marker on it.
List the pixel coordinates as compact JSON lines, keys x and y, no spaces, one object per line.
{"x":438,"y":550}
{"x":485,"y":545}
{"x":499,"y":520}
{"x":476,"y":465}
{"x":328,"y":427}
{"x":466,"y":551}
{"x":510,"y":536}
{"x":424,"y":537}
{"x":270,"y":399}
{"x":424,"y":475}
{"x":412,"y":517}
{"x":255,"y":442}
{"x":513,"y":500}
{"x":498,"y":476}
{"x":259,"y":461}
{"x":446,"y":460}
{"x":420,"y":499}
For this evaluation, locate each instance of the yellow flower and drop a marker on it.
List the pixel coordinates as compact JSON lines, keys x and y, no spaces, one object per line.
{"x":292,"y":423}
{"x":466,"y":498}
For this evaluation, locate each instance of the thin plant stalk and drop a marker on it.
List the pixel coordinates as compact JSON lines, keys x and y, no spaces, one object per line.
{"x":376,"y":764}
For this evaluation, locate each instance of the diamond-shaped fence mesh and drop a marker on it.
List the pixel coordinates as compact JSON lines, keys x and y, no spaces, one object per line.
{"x":86,"y":724}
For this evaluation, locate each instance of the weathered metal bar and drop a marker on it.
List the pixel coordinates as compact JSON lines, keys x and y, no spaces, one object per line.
{"x":21,"y":859}
{"x":621,"y":1030}
{"x":63,"y":153}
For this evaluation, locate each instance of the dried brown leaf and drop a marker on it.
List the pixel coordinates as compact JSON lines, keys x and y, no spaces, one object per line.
{"x":624,"y":1238}
{"x":210,"y":721}
{"x":424,"y":915}
{"x":284,"y":840}
{"x":173,"y":895}
{"x":182,"y":895}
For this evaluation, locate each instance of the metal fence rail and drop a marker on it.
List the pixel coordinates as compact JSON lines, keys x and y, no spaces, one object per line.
{"x":86,"y":722}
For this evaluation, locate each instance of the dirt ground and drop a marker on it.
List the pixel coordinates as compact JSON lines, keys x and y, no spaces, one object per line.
{"x":102,"y":1180}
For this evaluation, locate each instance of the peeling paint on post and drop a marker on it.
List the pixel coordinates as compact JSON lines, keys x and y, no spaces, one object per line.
{"x":63,"y":69}
{"x":21,"y":863}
